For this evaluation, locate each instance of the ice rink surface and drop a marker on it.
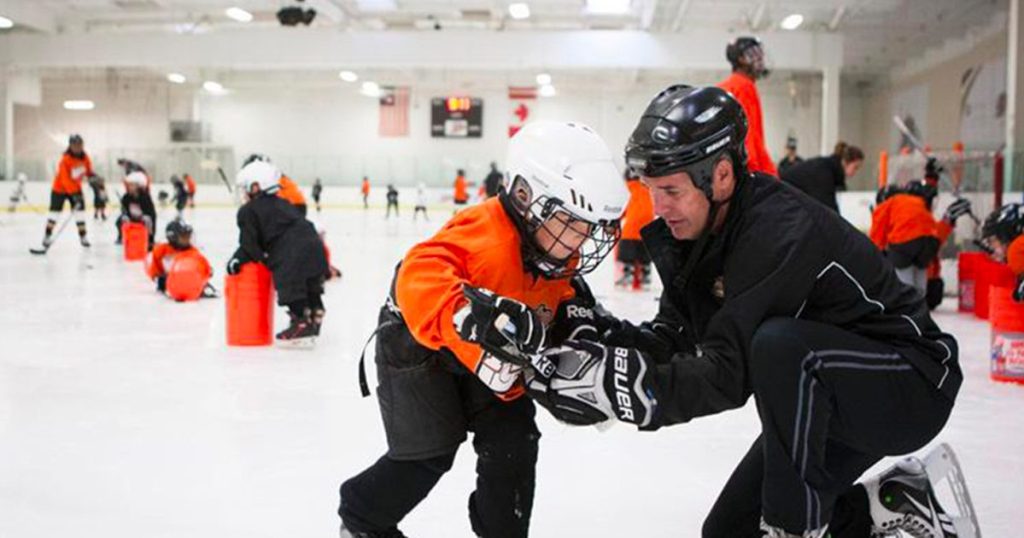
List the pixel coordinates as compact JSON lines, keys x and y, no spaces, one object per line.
{"x":123,"y":414}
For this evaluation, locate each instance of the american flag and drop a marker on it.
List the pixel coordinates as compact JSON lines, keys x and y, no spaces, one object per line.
{"x":394,"y":112}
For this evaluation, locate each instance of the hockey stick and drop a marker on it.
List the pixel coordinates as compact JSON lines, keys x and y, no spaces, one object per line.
{"x":919,"y":147}
{"x":224,"y":178}
{"x":53,"y":238}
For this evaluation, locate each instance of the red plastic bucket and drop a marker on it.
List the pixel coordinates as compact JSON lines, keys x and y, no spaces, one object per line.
{"x":186,"y":279}
{"x":989,"y":273}
{"x":1007,"y":356}
{"x":249,"y":299}
{"x":968,"y":264}
{"x":136,"y":240}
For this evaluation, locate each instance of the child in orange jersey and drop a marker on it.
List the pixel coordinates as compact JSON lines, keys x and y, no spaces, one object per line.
{"x":74,"y":166}
{"x":178,"y":245}
{"x":1003,"y":233}
{"x":631,"y":253}
{"x":493,"y":286}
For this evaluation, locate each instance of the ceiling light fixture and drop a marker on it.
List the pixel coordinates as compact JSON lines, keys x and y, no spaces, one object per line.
{"x":176,"y":78}
{"x":348,"y":76}
{"x":519,"y":10}
{"x":238,"y":14}
{"x":792,"y":22}
{"x":79,"y":104}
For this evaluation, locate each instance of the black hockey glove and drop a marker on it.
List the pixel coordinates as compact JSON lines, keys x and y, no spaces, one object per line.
{"x":236,"y":262}
{"x":593,"y":383}
{"x":580,"y":318}
{"x":957,"y":209}
{"x":1018,"y":292}
{"x":505,"y":328}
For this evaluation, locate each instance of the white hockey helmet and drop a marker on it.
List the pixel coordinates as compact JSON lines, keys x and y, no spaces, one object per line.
{"x":136,"y":178}
{"x":566,"y":167}
{"x":257,"y":172}
{"x":21,"y":177}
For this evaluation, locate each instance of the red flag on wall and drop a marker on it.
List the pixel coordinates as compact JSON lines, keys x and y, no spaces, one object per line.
{"x":520,"y":101}
{"x":394,"y":112}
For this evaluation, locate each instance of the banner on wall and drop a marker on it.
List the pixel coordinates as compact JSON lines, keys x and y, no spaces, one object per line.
{"x":521,"y":102}
{"x":394,"y":112}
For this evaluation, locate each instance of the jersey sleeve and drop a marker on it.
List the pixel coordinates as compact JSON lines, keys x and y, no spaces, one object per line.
{"x":429,"y":292}
{"x":1015,"y":256}
{"x":943,"y":230}
{"x":879,"y":232}
{"x":156,"y":261}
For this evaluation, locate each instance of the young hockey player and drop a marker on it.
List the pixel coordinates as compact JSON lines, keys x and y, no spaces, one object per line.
{"x":190,"y":186}
{"x":365,"y":190}
{"x":421,"y":202}
{"x":318,"y":189}
{"x":180,"y":195}
{"x":460,"y":195}
{"x":1003,"y":234}
{"x":99,"y":197}
{"x":136,"y":205}
{"x":178,"y":246}
{"x":904,"y":228}
{"x":275,"y":233}
{"x":444,"y":364}
{"x":18,"y":194}
{"x":632,"y":255}
{"x":746,"y":55}
{"x":74,"y":167}
{"x":492,"y":183}
{"x":392,"y":198}
{"x":770,"y":294}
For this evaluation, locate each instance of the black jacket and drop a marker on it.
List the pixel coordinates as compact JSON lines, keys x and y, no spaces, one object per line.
{"x":492,"y":183}
{"x":819,"y":177}
{"x":273,"y":232}
{"x":779,"y":254}
{"x":138,"y":205}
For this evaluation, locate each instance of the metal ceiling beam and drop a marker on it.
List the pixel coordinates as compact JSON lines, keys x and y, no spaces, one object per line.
{"x":837,"y":18}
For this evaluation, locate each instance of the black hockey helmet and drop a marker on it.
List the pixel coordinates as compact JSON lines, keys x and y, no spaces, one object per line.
{"x":75,"y":139}
{"x":1004,"y":224}
{"x":179,"y":234}
{"x":887,"y":191}
{"x":922,"y":188}
{"x":687,"y":129}
{"x":745,"y":48}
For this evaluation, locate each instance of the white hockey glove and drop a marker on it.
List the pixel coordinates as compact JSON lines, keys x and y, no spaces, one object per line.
{"x":507,"y":329}
{"x":593,"y":383}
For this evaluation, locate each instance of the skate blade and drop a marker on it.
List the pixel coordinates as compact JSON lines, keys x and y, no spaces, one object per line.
{"x":308,"y":342}
{"x":943,"y":468}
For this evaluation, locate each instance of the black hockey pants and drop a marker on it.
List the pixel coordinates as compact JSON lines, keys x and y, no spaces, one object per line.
{"x":832,"y":403}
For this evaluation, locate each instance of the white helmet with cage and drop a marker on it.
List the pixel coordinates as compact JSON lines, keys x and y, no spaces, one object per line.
{"x":565,"y":167}
{"x":257,"y":172}
{"x":136,"y":178}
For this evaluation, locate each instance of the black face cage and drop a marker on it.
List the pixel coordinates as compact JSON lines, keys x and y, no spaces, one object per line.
{"x":599,"y":243}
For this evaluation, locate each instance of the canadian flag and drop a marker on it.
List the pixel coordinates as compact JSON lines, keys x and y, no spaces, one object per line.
{"x":520,"y":103}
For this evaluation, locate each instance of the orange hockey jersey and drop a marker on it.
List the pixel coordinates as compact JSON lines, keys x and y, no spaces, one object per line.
{"x":461,"y":190}
{"x":479,"y":246}
{"x":744,"y":90}
{"x":70,"y":173}
{"x":164,"y":251}
{"x":900,"y":219}
{"x":639,"y":210}
{"x":289,"y":191}
{"x":1015,"y":256}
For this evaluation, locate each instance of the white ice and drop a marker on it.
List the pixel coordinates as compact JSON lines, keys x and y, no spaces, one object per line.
{"x":123,"y":414}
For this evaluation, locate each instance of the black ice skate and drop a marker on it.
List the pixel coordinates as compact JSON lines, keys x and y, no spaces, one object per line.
{"x":391,"y":533}
{"x":903,"y":499}
{"x":300,"y":334}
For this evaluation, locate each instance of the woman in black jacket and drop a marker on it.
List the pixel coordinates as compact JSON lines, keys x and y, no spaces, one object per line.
{"x":822,"y":177}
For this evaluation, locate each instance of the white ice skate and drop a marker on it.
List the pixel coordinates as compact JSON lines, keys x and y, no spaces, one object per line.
{"x":903,"y":498}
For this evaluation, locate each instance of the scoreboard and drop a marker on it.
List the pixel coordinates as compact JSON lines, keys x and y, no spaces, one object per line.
{"x":456,"y":117}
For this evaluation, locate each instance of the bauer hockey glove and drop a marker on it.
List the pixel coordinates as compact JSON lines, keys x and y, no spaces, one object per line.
{"x":507,"y":329}
{"x":956,"y":210}
{"x":593,"y":383}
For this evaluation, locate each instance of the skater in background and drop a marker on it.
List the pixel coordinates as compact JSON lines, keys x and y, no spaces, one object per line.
{"x":631,"y":253}
{"x":1003,"y":234}
{"x":136,"y":206}
{"x":75,"y":166}
{"x":274,"y":233}
{"x":180,"y":195}
{"x":392,"y":198}
{"x":190,"y":187}
{"x":771,"y":295}
{"x":18,"y":194}
{"x":492,"y":183}
{"x":421,"y":202}
{"x":318,"y":189}
{"x":99,"y":198}
{"x":821,"y":177}
{"x":178,"y":245}
{"x":444,"y":366}
{"x":746,"y":55}
{"x":365,"y":190}
{"x":460,"y":193}
{"x":790,"y":158}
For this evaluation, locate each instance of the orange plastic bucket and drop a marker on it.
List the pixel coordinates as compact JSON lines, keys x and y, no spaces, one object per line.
{"x":249,"y":299}
{"x":136,"y":240}
{"x":1007,"y":356}
{"x":969,"y":264}
{"x":186,"y":279}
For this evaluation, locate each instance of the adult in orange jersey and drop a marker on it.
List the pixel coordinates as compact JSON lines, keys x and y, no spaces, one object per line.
{"x":287,"y":189}
{"x":461,"y":194}
{"x":466,"y":309}
{"x":365,"y":190}
{"x":74,"y":166}
{"x":631,"y":253}
{"x":190,"y":187}
{"x":178,"y":245}
{"x":904,"y":228}
{"x":748,"y":65}
{"x":1003,"y":233}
